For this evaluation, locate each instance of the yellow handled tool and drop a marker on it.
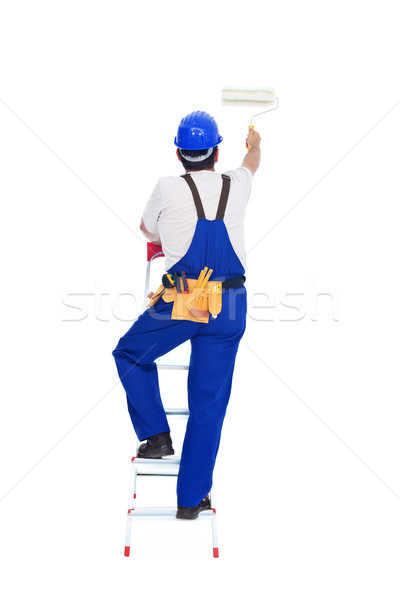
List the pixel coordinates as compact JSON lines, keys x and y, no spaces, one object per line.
{"x":206,"y":278}
{"x":200,"y":279}
{"x":251,"y":128}
{"x":198,"y":297}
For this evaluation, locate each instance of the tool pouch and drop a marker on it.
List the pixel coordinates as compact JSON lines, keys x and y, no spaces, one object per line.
{"x":155,"y":297}
{"x":180,"y":310}
{"x":215,"y":299}
{"x":195,"y":305}
{"x":197,"y":299}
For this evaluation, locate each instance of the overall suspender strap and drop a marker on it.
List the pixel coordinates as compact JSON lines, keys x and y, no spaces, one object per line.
{"x":196,"y":196}
{"x":226,"y":184}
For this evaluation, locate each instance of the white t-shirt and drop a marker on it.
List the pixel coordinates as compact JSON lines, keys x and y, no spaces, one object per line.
{"x":171,"y":210}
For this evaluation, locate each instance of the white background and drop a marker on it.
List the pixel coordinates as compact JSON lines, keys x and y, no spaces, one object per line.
{"x":307,"y":480}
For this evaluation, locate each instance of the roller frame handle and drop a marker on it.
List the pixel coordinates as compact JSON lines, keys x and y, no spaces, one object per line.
{"x":251,"y":128}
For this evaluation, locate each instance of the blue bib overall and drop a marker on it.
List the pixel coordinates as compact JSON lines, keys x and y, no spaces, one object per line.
{"x":213,"y":352}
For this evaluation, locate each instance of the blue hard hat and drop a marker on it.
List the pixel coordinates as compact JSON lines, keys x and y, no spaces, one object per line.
{"x":197,"y":131}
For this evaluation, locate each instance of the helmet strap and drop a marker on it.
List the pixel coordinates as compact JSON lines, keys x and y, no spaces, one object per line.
{"x":197,"y":158}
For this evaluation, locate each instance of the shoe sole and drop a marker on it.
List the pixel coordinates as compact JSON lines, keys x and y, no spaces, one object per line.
{"x":162,"y":452}
{"x":186,"y":517}
{"x":191,"y":518}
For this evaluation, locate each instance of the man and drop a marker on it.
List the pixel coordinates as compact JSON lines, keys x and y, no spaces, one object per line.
{"x":198,"y":219}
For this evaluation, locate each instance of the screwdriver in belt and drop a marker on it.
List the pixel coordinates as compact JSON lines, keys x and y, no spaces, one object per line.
{"x":181,"y":283}
{"x":184,"y":282}
{"x":178,"y":283}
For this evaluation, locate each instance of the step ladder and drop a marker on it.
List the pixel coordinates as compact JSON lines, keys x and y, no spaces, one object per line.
{"x":168,"y":466}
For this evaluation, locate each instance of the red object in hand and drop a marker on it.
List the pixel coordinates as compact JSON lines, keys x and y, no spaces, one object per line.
{"x":153,"y":249}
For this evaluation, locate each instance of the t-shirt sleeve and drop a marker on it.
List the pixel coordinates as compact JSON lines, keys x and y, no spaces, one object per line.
{"x":152,"y":210}
{"x":244,"y":178}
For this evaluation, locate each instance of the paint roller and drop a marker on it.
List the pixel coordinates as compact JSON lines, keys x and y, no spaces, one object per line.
{"x":255,"y":97}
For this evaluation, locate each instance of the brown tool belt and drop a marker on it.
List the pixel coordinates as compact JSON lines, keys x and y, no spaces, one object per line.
{"x":195,"y":299}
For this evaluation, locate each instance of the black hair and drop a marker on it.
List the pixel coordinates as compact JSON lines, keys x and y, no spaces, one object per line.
{"x":208,"y":163}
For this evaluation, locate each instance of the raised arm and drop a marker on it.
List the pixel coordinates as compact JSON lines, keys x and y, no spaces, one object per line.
{"x":253,"y":156}
{"x":152,"y":237}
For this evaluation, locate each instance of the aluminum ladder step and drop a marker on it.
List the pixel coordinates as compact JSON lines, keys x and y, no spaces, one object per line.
{"x":171,"y":363}
{"x":165,"y":513}
{"x":162,"y":467}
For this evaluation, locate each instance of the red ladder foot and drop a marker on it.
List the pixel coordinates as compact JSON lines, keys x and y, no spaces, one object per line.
{"x":215,"y":552}
{"x":127,"y":551}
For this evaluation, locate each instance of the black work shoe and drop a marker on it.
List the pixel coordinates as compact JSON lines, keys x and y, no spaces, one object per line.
{"x":156,"y":446}
{"x":192,"y":512}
